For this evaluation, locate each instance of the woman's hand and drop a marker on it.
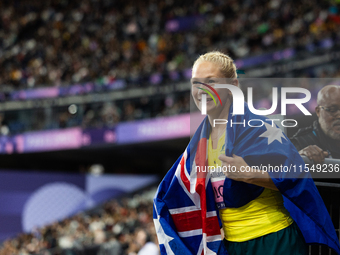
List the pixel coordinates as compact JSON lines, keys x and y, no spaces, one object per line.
{"x":234,"y":168}
{"x":238,"y":170}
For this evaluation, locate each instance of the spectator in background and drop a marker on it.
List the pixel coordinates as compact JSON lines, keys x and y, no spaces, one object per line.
{"x":322,"y":139}
{"x":63,"y":119}
{"x":112,"y":247}
{"x":110,"y":115}
{"x":131,"y":112}
{"x":147,"y":247}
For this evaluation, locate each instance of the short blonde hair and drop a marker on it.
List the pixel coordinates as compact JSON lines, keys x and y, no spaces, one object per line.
{"x":226,"y":63}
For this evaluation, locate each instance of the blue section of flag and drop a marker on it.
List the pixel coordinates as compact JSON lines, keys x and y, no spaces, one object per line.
{"x":180,"y":199}
{"x":301,"y":197}
{"x":167,"y":195}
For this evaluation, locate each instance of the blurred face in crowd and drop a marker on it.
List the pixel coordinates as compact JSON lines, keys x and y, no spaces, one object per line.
{"x":141,"y":237}
{"x":209,"y":73}
{"x":328,"y":111}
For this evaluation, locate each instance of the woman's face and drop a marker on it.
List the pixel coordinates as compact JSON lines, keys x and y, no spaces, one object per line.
{"x":208,"y":73}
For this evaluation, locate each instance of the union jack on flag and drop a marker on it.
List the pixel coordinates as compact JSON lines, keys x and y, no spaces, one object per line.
{"x":185,"y":214}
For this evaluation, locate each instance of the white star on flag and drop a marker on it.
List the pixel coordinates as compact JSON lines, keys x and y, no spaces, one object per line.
{"x":162,"y":237}
{"x":273,"y":133}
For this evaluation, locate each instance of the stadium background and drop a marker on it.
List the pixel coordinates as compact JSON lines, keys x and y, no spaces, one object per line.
{"x":95,"y":102}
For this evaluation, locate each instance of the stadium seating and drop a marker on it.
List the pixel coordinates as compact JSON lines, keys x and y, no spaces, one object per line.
{"x":108,"y":229}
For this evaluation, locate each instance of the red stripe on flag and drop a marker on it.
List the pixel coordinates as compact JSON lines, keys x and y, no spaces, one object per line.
{"x":200,"y":158}
{"x":213,"y":227}
{"x":183,"y":176}
{"x":187,"y":221}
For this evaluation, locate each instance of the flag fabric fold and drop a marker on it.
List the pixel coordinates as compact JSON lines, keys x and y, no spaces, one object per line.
{"x":185,"y":215}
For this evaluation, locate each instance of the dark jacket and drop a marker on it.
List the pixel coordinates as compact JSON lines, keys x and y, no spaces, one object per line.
{"x":313,"y":135}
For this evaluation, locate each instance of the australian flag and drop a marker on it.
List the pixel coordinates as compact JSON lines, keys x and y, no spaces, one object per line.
{"x":185,"y":215}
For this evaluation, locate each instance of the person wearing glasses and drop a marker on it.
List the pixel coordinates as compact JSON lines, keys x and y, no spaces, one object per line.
{"x":322,"y":138}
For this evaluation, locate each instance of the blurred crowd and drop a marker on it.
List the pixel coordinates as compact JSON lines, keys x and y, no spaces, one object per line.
{"x":94,"y":115}
{"x":58,"y":42}
{"x":108,"y":114}
{"x":119,"y":227}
